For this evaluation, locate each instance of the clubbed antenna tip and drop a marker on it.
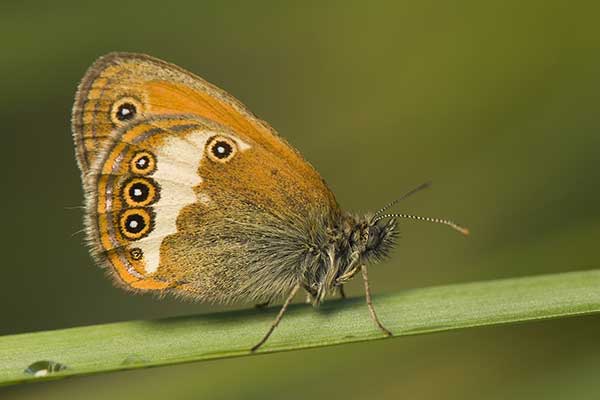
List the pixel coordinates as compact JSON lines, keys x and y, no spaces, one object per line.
{"x":462,"y":229}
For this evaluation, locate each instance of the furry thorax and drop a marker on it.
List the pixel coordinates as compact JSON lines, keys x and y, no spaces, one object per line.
{"x":338,"y":254}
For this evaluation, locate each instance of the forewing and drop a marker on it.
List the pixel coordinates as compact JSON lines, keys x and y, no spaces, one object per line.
{"x":123,"y":87}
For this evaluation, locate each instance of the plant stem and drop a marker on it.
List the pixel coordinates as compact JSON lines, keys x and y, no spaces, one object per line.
{"x":139,"y":344}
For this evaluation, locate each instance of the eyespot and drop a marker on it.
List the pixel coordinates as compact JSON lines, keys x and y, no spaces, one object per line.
{"x":135,"y":223}
{"x":124,"y":110}
{"x":136,"y":253}
{"x":142,"y":163}
{"x":140,"y":192}
{"x":221,"y":149}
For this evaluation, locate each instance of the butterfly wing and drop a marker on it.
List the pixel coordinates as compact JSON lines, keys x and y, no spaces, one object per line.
{"x":122,"y":87}
{"x":165,"y":215}
{"x":183,"y":204}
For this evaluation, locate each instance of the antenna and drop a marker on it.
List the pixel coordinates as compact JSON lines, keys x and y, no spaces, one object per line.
{"x":451,"y":224}
{"x":422,"y":186}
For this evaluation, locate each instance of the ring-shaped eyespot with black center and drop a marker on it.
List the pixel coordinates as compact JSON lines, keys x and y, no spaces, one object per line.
{"x":221,"y":149}
{"x":124,"y":110}
{"x":142,"y":163}
{"x":136,"y":253}
{"x":136,"y":223}
{"x":140,"y":192}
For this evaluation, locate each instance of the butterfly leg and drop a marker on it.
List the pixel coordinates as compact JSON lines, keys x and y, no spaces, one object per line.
{"x":309,"y":298}
{"x":342,"y":292}
{"x":374,"y":317}
{"x":278,"y":318}
{"x":263,"y":305}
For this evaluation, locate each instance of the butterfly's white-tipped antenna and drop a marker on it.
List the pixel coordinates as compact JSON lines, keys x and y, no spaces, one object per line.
{"x":451,"y":224}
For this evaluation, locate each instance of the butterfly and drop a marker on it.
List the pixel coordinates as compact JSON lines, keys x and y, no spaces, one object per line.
{"x":188,"y":193}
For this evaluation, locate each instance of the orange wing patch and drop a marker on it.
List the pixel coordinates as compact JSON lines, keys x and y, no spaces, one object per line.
{"x":161,"y":88}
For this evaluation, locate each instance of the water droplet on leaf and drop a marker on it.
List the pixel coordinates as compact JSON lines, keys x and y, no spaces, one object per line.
{"x":44,"y":367}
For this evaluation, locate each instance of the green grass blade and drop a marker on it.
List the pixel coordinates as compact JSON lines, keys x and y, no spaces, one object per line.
{"x":140,"y":344}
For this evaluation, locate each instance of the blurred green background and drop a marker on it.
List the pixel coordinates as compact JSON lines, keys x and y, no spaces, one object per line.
{"x":495,"y":102}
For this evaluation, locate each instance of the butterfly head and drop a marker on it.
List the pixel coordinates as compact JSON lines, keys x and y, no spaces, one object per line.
{"x":379,"y":239}
{"x":350,"y":241}
{"x":355,"y":241}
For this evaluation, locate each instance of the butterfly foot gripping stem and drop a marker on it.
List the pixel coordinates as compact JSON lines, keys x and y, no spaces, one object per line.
{"x":277,"y":319}
{"x":374,"y":316}
{"x":262,"y":306}
{"x":342,"y":291}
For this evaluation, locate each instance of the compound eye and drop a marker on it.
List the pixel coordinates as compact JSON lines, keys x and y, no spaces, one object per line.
{"x":221,"y":149}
